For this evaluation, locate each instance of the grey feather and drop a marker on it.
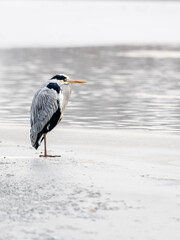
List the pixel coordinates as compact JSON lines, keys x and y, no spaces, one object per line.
{"x":44,"y":105}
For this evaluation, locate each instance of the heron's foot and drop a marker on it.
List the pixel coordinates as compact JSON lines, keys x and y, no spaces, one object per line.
{"x":53,"y":156}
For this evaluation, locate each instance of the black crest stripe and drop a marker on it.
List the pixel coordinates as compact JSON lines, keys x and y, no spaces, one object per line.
{"x":54,"y":86}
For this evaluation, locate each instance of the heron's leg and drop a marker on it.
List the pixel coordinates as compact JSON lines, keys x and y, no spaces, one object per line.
{"x":45,"y":150}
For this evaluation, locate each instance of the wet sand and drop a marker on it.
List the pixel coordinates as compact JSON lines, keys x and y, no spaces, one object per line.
{"x":107,"y":184}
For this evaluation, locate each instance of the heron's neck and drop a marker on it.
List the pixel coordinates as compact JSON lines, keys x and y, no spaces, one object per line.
{"x":66,"y":92}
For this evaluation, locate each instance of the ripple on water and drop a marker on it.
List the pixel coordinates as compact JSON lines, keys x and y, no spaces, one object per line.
{"x":128,"y":87}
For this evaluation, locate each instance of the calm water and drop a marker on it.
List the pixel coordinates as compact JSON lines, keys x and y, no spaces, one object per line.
{"x":128,"y":87}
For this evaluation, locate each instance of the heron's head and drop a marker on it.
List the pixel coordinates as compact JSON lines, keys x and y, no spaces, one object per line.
{"x":64,"y":79}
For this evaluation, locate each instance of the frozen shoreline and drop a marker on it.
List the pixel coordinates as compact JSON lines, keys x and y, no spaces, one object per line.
{"x":108,"y":184}
{"x":69,"y":23}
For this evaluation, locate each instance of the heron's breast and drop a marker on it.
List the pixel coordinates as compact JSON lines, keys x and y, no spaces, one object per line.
{"x":61,"y":100}
{"x":64,"y":96}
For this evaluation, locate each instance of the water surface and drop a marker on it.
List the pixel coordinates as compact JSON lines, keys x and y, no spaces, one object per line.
{"x":128,"y":86}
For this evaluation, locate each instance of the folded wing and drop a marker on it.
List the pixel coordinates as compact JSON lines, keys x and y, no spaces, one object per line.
{"x":44,"y":106}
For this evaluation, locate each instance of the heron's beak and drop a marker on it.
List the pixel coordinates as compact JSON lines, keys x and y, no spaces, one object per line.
{"x":71,"y":82}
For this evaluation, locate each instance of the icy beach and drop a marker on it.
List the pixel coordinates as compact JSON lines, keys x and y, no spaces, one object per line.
{"x":108,"y":184}
{"x":118,"y":174}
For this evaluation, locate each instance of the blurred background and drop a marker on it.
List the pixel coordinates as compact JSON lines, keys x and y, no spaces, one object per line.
{"x":127,"y":51}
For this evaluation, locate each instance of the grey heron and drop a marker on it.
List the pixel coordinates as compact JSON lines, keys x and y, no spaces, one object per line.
{"x":47,"y":108}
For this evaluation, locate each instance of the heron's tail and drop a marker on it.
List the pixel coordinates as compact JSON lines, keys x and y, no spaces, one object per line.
{"x":36,"y":145}
{"x":36,"y":138}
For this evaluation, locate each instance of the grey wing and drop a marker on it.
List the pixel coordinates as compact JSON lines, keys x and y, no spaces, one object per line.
{"x":44,"y":105}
